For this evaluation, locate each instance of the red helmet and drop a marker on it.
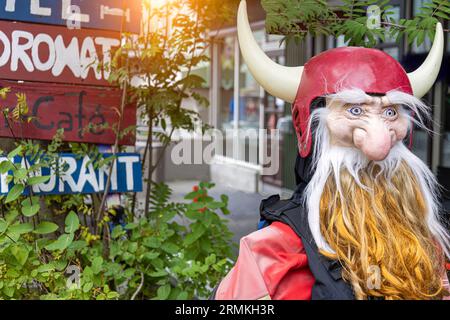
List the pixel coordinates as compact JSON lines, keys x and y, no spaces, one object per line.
{"x":370,"y":70}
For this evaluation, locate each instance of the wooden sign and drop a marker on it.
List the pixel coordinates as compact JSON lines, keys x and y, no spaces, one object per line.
{"x":31,"y":52}
{"x":73,"y":108}
{"x":80,"y":176}
{"x":116,"y":15}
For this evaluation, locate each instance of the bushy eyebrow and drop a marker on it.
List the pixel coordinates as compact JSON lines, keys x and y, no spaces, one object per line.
{"x":353,"y":96}
{"x":392,"y":105}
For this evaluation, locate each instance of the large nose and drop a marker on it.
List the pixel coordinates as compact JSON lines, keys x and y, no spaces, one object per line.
{"x":374,"y":139}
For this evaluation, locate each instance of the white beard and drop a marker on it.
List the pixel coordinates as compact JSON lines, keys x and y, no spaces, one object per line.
{"x":331,"y":160}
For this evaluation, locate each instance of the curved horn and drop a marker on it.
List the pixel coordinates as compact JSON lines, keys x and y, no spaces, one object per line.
{"x":279,"y":81}
{"x":424,"y":77}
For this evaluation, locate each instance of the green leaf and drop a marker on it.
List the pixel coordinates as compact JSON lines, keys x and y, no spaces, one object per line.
{"x":112,"y":295}
{"x":19,"y":229}
{"x":31,"y":210}
{"x":20,"y":173}
{"x":158,"y":274}
{"x":38,"y":180}
{"x":46,"y":227}
{"x":72,"y":222}
{"x":3,"y":225}
{"x":87,"y":287}
{"x":210,"y":259}
{"x":20,"y":253}
{"x":6,"y":166}
{"x":183,"y":296}
{"x":152,"y":242}
{"x":14,"y":193}
{"x":97,"y":265}
{"x":117,"y":232}
{"x":151,"y":255}
{"x":128,"y":273}
{"x":131,"y":226}
{"x":171,"y":248}
{"x":9,"y":291}
{"x":46,"y":268}
{"x":61,"y":243}
{"x":15,"y":152}
{"x":30,"y":201}
{"x":215,"y":205}
{"x":11,"y":215}
{"x":197,"y":231}
{"x":163,"y":292}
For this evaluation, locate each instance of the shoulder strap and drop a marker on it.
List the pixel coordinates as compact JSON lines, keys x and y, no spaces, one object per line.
{"x":328,"y":273}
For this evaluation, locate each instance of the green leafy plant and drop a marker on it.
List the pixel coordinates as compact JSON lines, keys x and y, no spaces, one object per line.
{"x":295,"y":19}
{"x":68,"y":246}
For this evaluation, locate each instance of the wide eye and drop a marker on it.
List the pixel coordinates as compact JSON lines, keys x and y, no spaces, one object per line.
{"x":355,"y":111}
{"x":390,"y":113}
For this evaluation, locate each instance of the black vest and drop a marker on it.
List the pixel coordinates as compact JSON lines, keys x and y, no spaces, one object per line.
{"x":329,"y":284}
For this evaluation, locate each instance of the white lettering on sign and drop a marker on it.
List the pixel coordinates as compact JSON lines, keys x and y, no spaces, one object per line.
{"x":43,"y":39}
{"x":89,"y":59}
{"x":87,"y":174}
{"x":19,"y":50}
{"x":10,"y":5}
{"x":35,"y":8}
{"x":104,"y":172}
{"x":4,"y":58}
{"x":105,"y":10}
{"x":50,"y":184}
{"x":129,"y":169}
{"x":107,"y":44}
{"x":71,"y":164}
{"x":74,"y":175}
{"x":72,"y":13}
{"x":3,"y":184}
{"x":24,"y":48}
{"x":67,"y":56}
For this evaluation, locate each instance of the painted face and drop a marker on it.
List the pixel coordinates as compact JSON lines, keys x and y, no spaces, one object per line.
{"x":373,"y":126}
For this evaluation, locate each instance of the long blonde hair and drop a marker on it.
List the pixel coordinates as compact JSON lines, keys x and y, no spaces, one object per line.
{"x":382,"y":226}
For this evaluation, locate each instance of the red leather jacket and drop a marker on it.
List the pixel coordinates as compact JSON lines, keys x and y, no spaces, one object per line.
{"x":272,"y":264}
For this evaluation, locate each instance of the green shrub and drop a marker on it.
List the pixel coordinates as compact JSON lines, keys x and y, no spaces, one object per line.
{"x":180,"y":251}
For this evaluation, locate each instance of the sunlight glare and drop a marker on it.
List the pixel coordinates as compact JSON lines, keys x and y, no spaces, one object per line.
{"x":155,"y":3}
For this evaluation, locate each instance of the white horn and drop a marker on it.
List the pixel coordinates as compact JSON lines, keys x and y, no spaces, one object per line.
{"x":424,"y":77}
{"x":279,"y":81}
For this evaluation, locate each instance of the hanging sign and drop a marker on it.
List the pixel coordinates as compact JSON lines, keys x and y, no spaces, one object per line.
{"x":87,"y":114}
{"x":77,"y":175}
{"x":55,"y":54}
{"x":115,"y":15}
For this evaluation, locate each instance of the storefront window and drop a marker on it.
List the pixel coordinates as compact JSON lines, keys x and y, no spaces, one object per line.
{"x":253,"y":108}
{"x":226,"y":79}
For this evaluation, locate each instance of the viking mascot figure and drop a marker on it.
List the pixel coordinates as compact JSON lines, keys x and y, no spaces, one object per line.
{"x":364,"y":221}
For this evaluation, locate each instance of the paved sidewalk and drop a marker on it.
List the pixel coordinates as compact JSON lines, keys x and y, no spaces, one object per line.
{"x":244,"y":206}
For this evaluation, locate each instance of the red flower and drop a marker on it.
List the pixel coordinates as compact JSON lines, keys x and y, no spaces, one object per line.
{"x":195,"y":188}
{"x":202,"y":210}
{"x":195,"y":199}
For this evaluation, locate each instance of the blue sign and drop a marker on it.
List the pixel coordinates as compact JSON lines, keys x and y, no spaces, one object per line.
{"x":75,"y":174}
{"x":115,"y":15}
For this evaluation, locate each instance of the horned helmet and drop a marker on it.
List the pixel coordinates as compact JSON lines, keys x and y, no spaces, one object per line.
{"x":371,"y":70}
